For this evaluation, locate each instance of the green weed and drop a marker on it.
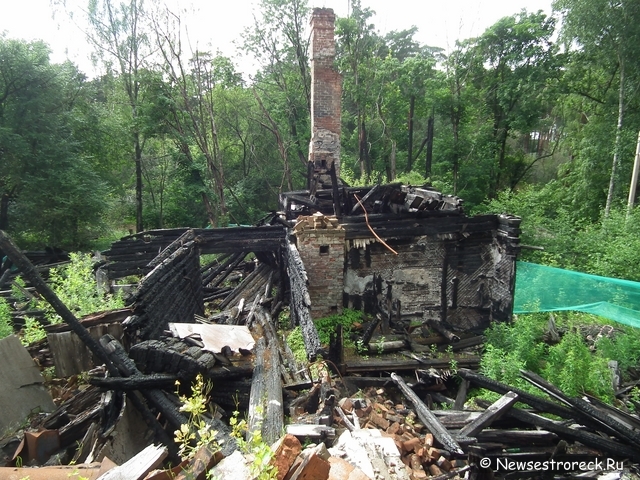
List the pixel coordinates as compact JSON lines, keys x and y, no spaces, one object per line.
{"x":327,"y":325}
{"x":197,"y":431}
{"x":76,"y":286}
{"x":6,"y":323}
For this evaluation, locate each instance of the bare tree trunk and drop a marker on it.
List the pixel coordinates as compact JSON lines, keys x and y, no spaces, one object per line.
{"x":138,"y":163}
{"x":393,"y":162}
{"x":412,"y":108}
{"x":429,"y":159}
{"x":616,"y":148}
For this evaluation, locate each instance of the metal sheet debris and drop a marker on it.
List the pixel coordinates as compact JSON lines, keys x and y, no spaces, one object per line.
{"x":215,"y":337}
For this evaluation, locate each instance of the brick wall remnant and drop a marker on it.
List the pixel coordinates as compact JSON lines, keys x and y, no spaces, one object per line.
{"x":326,"y":93}
{"x":320,"y":241}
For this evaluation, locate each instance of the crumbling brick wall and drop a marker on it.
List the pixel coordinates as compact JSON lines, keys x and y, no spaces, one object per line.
{"x":326,"y":93}
{"x":321,"y":248}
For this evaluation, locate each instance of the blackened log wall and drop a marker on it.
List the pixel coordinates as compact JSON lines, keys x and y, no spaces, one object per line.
{"x":454,"y":269}
{"x":170,"y":293}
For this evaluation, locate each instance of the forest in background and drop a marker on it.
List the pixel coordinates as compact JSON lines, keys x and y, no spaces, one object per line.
{"x":537,"y":117}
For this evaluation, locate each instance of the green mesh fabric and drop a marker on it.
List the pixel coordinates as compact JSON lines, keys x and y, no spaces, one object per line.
{"x":546,"y":289}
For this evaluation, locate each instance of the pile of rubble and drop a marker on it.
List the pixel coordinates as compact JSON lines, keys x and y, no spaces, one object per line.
{"x":356,"y":416}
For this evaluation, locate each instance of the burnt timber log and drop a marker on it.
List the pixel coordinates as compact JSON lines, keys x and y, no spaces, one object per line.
{"x":249,"y":287}
{"x":384,"y":364}
{"x":132,"y":254}
{"x":135,"y":382}
{"x":265,"y":401}
{"x":586,"y":438}
{"x":170,"y":293}
{"x":427,"y":417}
{"x":301,"y":301}
{"x":218,"y":275}
{"x":538,"y":403}
{"x":609,"y":423}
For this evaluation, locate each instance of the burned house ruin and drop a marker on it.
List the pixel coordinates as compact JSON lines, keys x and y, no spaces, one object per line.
{"x":405,"y":253}
{"x":407,"y":256}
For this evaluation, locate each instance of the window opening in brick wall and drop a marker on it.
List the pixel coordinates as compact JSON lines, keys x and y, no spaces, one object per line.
{"x":324,"y":249}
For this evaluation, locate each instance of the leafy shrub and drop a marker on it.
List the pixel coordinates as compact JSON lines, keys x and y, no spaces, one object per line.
{"x":512,"y":347}
{"x":296,"y":343}
{"x":327,"y":325}
{"x":32,"y":331}
{"x":76,"y":286}
{"x":574,"y":369}
{"x":623,"y":347}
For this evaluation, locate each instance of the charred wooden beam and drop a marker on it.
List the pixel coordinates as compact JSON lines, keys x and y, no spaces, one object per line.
{"x":127,"y":368}
{"x":427,"y":417}
{"x":216,"y":278}
{"x":585,"y":438}
{"x":585,"y":409}
{"x":135,"y":382}
{"x":538,"y":403}
{"x":301,"y":301}
{"x":491,"y":414}
{"x":386,"y":365}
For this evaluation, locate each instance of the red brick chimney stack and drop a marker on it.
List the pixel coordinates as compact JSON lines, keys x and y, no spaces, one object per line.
{"x":326,"y":93}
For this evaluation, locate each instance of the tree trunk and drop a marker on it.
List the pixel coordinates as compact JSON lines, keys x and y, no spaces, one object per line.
{"x":4,"y":211}
{"x":392,"y":175}
{"x":138,"y":161}
{"x":429,"y":160}
{"x":616,"y":148}
{"x":412,"y":108}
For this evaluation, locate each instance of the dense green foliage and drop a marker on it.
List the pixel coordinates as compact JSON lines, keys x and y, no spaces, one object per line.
{"x":572,"y":364}
{"x":75,"y":285}
{"x":519,"y":119}
{"x":6,"y":325}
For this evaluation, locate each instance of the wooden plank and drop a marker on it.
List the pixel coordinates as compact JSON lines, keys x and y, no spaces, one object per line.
{"x":491,"y":414}
{"x":138,"y":467}
{"x":461,"y":397}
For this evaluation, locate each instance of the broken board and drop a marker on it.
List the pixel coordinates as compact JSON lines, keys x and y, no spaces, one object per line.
{"x":22,"y":389}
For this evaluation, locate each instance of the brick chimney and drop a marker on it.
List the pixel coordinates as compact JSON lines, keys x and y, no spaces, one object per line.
{"x":326,"y":93}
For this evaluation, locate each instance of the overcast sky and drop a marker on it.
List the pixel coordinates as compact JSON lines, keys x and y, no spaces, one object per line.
{"x":215,"y":23}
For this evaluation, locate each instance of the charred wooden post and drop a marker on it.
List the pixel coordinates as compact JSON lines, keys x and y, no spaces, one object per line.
{"x":427,"y":417}
{"x":301,"y":301}
{"x":30,"y":273}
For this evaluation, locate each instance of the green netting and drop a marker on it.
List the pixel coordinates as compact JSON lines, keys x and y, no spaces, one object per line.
{"x":546,"y":289}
